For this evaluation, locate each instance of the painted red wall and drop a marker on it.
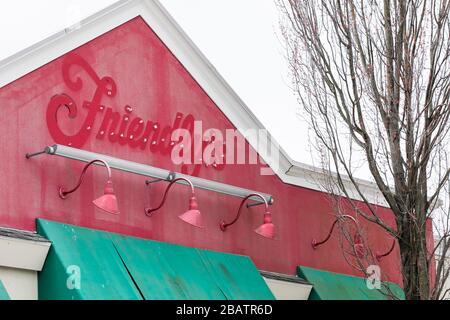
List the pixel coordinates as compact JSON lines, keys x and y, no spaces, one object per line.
{"x":152,"y":81}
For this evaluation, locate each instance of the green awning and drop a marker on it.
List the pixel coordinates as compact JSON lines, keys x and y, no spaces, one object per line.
{"x":111,"y":266}
{"x":3,"y":293}
{"x":336,"y":286}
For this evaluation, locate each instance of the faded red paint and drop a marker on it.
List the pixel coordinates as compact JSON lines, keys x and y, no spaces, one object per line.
{"x":153,"y":82}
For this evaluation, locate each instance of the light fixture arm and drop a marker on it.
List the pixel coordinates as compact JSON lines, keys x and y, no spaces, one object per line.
{"x":316,"y":244}
{"x":381,"y":256}
{"x":149,"y":211}
{"x":63,"y":194}
{"x":224,"y":225}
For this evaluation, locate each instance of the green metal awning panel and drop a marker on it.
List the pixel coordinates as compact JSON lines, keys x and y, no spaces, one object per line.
{"x":3,"y":293}
{"x":167,"y":271}
{"x":102,"y":274}
{"x":114,"y":266}
{"x":236,"y":276}
{"x":336,"y":286}
{"x":164,"y":271}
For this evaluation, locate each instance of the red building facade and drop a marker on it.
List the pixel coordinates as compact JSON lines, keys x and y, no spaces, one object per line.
{"x":119,"y":86}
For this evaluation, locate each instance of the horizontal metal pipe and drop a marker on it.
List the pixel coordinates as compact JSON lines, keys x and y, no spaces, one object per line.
{"x":150,"y":171}
{"x":254,"y":204}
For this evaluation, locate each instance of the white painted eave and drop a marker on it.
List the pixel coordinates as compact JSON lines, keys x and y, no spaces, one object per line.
{"x":193,"y":60}
{"x":23,"y":254}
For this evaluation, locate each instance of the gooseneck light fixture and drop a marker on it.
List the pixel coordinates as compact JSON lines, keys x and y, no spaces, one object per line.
{"x":267,"y":229}
{"x":192,"y":216}
{"x":357,"y":239}
{"x":108,"y":201}
{"x":148,"y":171}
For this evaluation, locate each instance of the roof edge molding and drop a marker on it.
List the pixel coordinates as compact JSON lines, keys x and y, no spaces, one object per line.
{"x":190,"y":56}
{"x":22,"y":249}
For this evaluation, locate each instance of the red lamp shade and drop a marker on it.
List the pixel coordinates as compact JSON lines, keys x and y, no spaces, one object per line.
{"x":267,"y":229}
{"x":193,"y":215}
{"x":108,"y":201}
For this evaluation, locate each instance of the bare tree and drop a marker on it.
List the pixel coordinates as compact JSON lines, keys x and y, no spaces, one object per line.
{"x":441,"y":289}
{"x":373,"y":79}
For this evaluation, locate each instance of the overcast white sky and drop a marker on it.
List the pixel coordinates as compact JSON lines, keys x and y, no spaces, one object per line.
{"x":238,"y":37}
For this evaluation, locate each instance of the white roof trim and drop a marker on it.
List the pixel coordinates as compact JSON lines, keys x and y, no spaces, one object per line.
{"x":194,"y":61}
{"x":23,"y":254}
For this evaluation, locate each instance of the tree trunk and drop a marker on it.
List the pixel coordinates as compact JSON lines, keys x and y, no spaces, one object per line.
{"x":413,"y":253}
